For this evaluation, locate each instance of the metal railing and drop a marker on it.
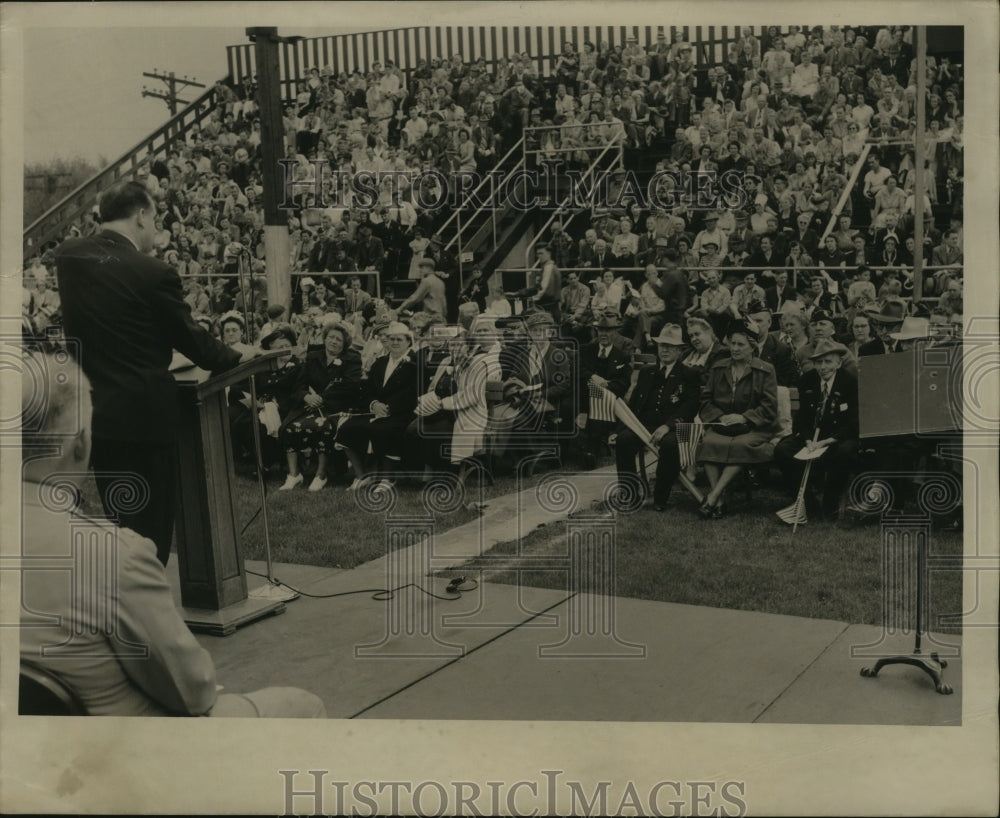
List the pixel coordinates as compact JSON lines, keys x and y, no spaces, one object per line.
{"x":55,"y":221}
{"x":475,"y":194}
{"x":733,"y":268}
{"x":564,"y":208}
{"x":556,"y":129}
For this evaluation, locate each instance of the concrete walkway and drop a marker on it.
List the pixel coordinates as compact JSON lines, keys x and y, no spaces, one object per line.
{"x":508,"y":652}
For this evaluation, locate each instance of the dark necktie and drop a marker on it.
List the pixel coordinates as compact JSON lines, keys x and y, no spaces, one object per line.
{"x":822,"y":404}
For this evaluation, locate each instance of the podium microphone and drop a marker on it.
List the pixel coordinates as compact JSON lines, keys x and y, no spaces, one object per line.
{"x":272,"y":590}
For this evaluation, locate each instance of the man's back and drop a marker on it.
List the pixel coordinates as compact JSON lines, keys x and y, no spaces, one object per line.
{"x":434,"y":300}
{"x":127,"y":312}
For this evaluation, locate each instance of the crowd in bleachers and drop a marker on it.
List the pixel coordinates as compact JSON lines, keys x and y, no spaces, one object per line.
{"x":374,"y":377}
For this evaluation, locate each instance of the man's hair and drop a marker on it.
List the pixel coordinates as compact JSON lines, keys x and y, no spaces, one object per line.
{"x":123,"y":201}
{"x":52,"y":387}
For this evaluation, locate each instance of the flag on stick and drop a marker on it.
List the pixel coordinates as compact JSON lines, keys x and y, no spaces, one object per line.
{"x":627,"y":416}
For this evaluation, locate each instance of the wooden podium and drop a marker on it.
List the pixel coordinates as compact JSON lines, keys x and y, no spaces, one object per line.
{"x":213,"y":580}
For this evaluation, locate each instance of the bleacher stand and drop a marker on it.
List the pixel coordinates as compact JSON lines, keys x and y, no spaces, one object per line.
{"x":790,"y":111}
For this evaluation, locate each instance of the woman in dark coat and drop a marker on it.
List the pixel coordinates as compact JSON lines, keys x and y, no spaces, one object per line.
{"x":329,"y":383}
{"x":389,"y":398}
{"x":274,"y":395}
{"x":740,"y":399}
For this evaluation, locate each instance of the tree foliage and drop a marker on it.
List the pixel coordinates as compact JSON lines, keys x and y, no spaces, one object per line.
{"x":47,"y":183}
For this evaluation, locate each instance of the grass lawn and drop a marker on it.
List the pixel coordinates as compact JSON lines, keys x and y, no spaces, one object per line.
{"x":329,"y":528}
{"x":748,"y":561}
{"x":326,"y":528}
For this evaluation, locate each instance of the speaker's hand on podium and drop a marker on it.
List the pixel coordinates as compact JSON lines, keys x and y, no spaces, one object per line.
{"x":249,"y":355}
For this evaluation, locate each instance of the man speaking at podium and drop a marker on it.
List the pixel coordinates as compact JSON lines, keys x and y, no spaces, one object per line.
{"x":123,"y":315}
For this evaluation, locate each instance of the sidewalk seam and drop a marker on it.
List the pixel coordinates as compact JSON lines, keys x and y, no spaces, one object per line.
{"x":801,"y":673}
{"x":430,"y":673}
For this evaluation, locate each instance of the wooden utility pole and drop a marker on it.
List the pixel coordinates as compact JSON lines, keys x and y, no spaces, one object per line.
{"x":919,"y":160}
{"x":272,"y":148}
{"x":170,"y":95}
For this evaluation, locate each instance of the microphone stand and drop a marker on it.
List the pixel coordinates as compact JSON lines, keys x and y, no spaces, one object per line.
{"x":272,"y":590}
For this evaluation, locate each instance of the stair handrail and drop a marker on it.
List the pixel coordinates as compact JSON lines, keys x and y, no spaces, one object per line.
{"x":562,"y":209}
{"x":488,"y":179}
{"x":114,"y":170}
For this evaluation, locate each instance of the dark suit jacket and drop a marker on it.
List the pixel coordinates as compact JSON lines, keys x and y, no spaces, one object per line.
{"x":758,"y":259}
{"x":126,"y":313}
{"x":727,"y":162}
{"x":809,"y":241}
{"x":873,"y":347}
{"x":616,"y":369}
{"x":338,"y":384}
{"x":840,"y":415}
{"x":771,"y":297}
{"x":673,"y":289}
{"x":679,"y":400}
{"x":400,"y":392}
{"x":779,"y":355}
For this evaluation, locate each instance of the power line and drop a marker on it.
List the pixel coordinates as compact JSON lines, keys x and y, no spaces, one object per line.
{"x":172,"y":83}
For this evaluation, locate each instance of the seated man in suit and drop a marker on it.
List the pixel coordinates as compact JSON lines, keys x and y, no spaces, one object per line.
{"x":390,"y":395}
{"x":771,"y":348}
{"x":134,"y":654}
{"x":827,"y":416}
{"x":606,"y":365}
{"x":776,"y":295}
{"x":538,"y":396}
{"x":665,"y":394}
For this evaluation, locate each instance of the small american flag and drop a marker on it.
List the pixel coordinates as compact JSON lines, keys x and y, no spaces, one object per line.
{"x":602,"y":403}
{"x":689,"y":437}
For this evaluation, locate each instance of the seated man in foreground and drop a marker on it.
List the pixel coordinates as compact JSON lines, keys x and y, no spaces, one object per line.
{"x":106,"y":624}
{"x":665,"y":394}
{"x":827,"y":420}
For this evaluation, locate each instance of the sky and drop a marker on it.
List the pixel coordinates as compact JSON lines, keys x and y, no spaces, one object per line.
{"x":83,"y":86}
{"x":87,"y":101}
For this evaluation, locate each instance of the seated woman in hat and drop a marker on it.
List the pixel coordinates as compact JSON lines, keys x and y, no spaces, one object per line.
{"x":328,"y":384}
{"x":274,"y":398}
{"x":739,"y":405}
{"x":233,"y":329}
{"x":388,"y":399}
{"x":705,"y":346}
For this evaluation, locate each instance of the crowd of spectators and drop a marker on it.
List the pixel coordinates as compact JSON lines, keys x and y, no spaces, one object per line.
{"x":373,"y":378}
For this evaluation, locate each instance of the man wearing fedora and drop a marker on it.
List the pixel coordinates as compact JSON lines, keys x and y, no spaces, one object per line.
{"x":711,"y":234}
{"x":886,"y":321}
{"x":827,"y":417}
{"x":665,"y":394}
{"x":822,"y":328}
{"x":602,"y":363}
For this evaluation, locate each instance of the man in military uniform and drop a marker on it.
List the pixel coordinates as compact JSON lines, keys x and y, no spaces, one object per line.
{"x":604,"y":365}
{"x":665,"y":394}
